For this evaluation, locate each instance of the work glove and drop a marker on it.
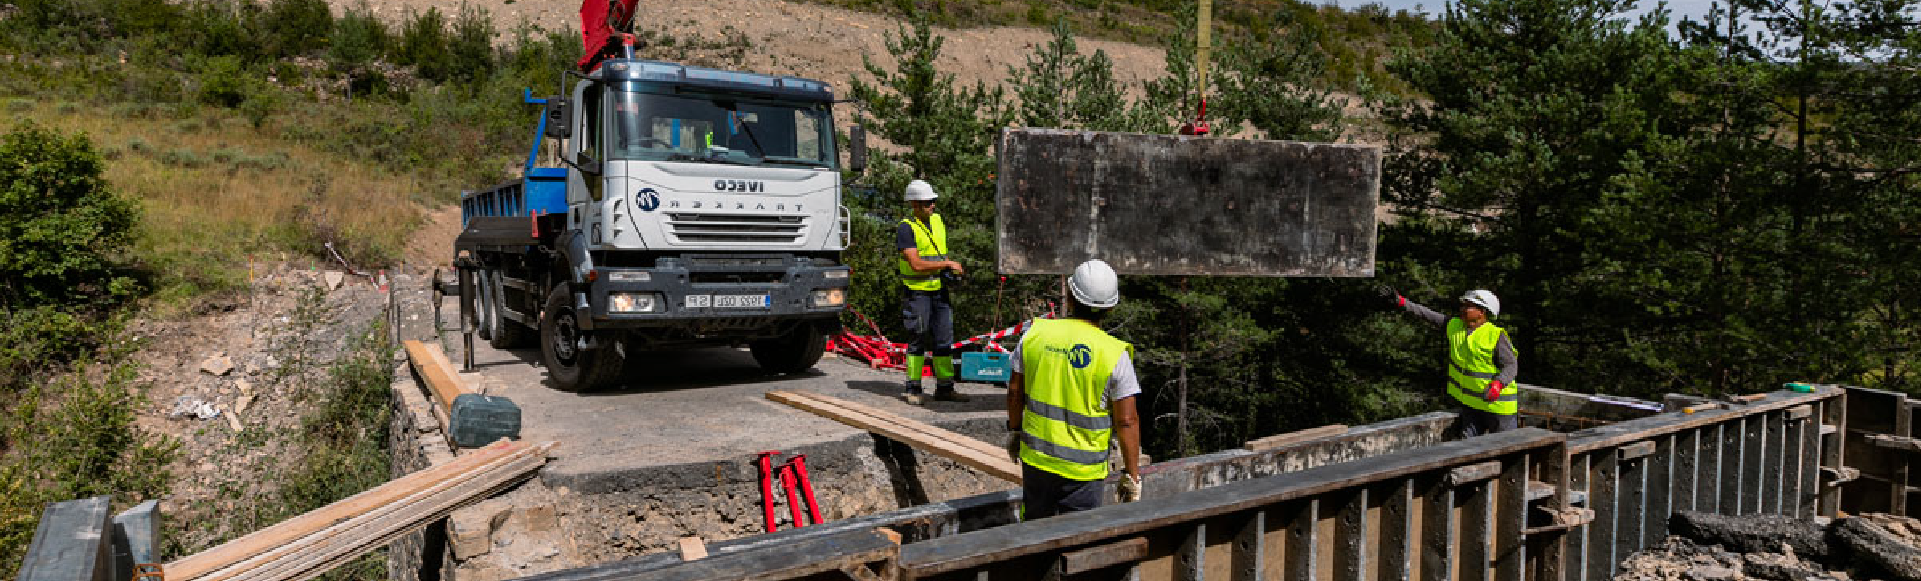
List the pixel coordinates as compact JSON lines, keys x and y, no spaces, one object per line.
{"x":1493,"y":391}
{"x":1014,"y":446}
{"x":1130,"y":488}
{"x":1391,"y":296}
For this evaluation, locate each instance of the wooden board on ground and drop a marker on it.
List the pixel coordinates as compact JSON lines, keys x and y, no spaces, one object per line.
{"x":944,"y":443}
{"x":434,"y":368}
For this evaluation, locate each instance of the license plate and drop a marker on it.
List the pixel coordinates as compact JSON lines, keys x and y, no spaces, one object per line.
{"x":729,"y":301}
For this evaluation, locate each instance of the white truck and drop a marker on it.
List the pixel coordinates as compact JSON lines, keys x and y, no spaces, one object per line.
{"x":693,"y":207}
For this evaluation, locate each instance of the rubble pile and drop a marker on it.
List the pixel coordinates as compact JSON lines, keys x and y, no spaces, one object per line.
{"x":1712,"y":547}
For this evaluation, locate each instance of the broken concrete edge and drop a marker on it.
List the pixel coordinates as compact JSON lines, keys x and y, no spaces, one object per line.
{"x":1207,"y":470}
{"x":735,"y":469}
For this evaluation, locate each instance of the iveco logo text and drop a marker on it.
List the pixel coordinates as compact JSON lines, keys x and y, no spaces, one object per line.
{"x":739,"y":186}
{"x":1079,"y":356}
{"x":648,"y":198}
{"x":710,"y":205}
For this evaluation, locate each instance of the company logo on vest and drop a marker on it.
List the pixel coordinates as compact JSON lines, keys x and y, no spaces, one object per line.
{"x":1080,"y":356}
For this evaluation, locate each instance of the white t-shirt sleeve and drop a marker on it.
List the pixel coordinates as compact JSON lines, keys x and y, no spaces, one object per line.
{"x":1122,"y":383}
{"x":1014,"y":362}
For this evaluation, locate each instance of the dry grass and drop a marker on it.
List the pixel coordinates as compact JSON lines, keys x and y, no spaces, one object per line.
{"x":216,"y":192}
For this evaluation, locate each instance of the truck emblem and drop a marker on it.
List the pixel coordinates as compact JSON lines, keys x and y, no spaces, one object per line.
{"x":649,"y":199}
{"x":739,"y":186}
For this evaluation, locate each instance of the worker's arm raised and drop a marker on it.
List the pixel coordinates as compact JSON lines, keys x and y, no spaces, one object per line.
{"x":1401,"y":302}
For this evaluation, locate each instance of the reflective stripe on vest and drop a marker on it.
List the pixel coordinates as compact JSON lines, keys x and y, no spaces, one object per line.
{"x":930,"y":240}
{"x":1470,"y":368}
{"x":1065,"y":365}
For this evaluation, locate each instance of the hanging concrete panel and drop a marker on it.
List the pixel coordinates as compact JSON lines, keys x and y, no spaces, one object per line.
{"x":1175,"y":205}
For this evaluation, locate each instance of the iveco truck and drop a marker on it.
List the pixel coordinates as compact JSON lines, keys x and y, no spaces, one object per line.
{"x":688,"y":206}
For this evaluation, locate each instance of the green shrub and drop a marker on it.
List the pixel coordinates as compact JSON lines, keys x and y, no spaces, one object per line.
{"x":224,"y":81}
{"x":424,"y":45}
{"x":19,"y":105}
{"x":359,"y":37}
{"x":295,"y":27}
{"x":84,"y":442}
{"x":471,"y":53}
{"x":138,"y":145}
{"x":183,"y":157}
{"x":65,"y":226}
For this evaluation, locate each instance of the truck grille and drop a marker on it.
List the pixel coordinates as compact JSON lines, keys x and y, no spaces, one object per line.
{"x":755,"y":228}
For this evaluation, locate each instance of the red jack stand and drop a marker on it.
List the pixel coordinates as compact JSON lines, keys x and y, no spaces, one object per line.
{"x":767,"y":486}
{"x":797,"y":468}
{"x":793,"y":476}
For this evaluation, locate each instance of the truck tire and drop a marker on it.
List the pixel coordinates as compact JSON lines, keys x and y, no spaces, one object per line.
{"x":796,"y":352}
{"x":484,"y":305}
{"x":504,"y":333}
{"x":573,"y":369}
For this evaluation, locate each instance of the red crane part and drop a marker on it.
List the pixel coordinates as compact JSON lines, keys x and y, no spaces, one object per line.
{"x":767,"y":486}
{"x":600,"y":20}
{"x":799,"y":464}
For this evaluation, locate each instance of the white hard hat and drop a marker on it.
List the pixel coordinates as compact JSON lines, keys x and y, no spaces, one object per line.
{"x":1485,"y":299}
{"x":920,"y":191}
{"x":1095,"y":285}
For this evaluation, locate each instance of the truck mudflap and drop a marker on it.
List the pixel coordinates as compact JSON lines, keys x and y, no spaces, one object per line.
{"x":719,"y":293}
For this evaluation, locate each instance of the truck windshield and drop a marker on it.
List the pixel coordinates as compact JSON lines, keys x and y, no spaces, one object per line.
{"x":654,"y":127}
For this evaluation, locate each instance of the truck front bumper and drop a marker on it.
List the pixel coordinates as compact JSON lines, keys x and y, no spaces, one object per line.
{"x":717,"y":293}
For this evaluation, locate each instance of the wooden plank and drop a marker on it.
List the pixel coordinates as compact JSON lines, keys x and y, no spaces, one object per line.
{"x":1464,"y":475}
{"x":434,"y":369}
{"x":1477,"y":510}
{"x":1775,"y":463}
{"x":1280,"y":440}
{"x":1249,"y":554}
{"x":1834,"y":412}
{"x":1659,"y":501}
{"x":313,"y":556}
{"x":1574,"y":555}
{"x":843,"y":553}
{"x":1753,"y":462}
{"x":1104,"y":555}
{"x":1630,"y":502}
{"x":692,"y":549}
{"x":1302,"y":547}
{"x":198,"y":564}
{"x":1510,"y":516}
{"x":1732,"y":453}
{"x":988,"y":448}
{"x":1808,"y":486}
{"x":1437,"y":529}
{"x":1602,"y":496}
{"x":934,"y":440}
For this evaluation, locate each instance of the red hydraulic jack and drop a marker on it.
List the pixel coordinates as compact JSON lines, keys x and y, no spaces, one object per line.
{"x":793,"y":470}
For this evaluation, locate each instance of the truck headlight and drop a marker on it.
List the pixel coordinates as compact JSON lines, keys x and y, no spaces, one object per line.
{"x":633,"y":302}
{"x":832,"y":297}
{"x":629,"y":276}
{"x":842,"y":273}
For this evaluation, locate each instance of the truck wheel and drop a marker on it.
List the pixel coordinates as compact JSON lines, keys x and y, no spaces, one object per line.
{"x":505,"y":333}
{"x":797,"y":351}
{"x":484,"y":307}
{"x":572,"y":368}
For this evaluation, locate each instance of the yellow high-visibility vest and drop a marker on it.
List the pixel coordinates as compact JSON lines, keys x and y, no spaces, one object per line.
{"x":1470,"y":368}
{"x":1065,"y":366}
{"x":931,"y":240}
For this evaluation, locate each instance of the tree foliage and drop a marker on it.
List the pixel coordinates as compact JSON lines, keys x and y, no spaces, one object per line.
{"x":65,"y":228}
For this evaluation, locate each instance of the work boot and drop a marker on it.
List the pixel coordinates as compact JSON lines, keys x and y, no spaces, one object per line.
{"x":944,"y":391}
{"x":914,"y":394}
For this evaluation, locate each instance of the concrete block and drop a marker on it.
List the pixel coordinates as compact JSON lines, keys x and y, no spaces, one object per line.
{"x":1179,"y":205}
{"x":470,"y":530}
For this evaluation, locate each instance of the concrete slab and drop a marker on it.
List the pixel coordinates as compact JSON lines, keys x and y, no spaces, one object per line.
{"x":692,"y":408}
{"x":1182,"y":205}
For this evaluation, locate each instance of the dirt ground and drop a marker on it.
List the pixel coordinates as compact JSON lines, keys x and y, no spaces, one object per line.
{"x":232,"y":381}
{"x":805,"y":40}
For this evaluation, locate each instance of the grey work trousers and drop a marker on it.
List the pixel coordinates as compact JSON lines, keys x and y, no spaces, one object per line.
{"x":929,"y":319}
{"x":1470,"y":422}
{"x":1045,"y":494}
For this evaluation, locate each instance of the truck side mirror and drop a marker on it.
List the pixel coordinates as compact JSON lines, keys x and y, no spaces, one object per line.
{"x":588,"y":165}
{"x":560,"y":118}
{"x":857,"y":149}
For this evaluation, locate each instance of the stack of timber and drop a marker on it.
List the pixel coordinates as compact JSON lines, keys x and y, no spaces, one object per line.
{"x":316,"y":542}
{"x":980,"y":455}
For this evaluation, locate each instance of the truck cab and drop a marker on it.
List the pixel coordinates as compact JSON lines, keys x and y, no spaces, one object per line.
{"x":699,"y":207}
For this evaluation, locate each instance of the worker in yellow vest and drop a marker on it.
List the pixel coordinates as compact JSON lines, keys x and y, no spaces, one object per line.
{"x":1482,"y":362}
{"x":1072,"y":388}
{"x":925,"y":305}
